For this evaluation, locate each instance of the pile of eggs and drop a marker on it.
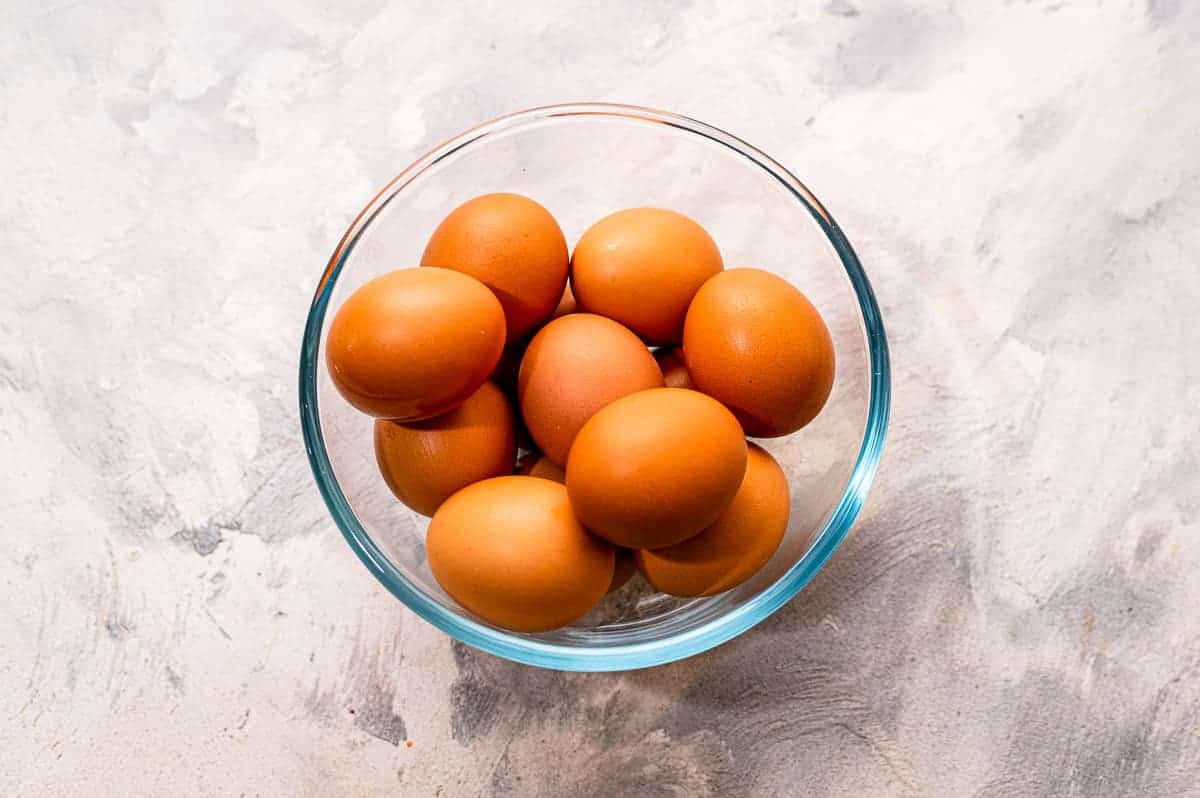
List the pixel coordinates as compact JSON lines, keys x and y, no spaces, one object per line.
{"x":636,"y":367}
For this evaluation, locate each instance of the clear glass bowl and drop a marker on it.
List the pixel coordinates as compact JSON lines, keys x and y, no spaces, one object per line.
{"x":583,"y":162}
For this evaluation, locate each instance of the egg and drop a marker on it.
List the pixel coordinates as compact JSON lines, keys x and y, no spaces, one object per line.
{"x":511,"y":551}
{"x":414,"y":343}
{"x":732,"y":550}
{"x":674,"y":370}
{"x":424,"y":462}
{"x":623,"y":570}
{"x":538,"y":465}
{"x":754,"y":342}
{"x":513,"y":246}
{"x":642,"y":267}
{"x":574,"y":366}
{"x":654,"y":468}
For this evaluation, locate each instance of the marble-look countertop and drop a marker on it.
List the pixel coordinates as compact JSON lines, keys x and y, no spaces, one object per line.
{"x":1018,"y":610}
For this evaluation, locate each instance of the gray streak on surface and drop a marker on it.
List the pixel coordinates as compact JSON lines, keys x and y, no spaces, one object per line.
{"x":474,"y":702}
{"x":377,"y":716}
{"x":203,"y":539}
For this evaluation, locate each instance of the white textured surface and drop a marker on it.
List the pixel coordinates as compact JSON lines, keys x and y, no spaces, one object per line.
{"x":1014,"y":615}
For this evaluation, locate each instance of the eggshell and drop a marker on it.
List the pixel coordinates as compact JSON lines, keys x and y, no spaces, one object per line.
{"x":574,"y":366}
{"x":424,"y":462}
{"x":642,"y":267}
{"x":414,"y":343}
{"x":656,"y":467}
{"x":674,"y":370}
{"x":511,"y":551}
{"x":624,"y":569}
{"x":513,"y":246}
{"x":754,"y":342}
{"x":733,"y":549}
{"x":538,"y":465}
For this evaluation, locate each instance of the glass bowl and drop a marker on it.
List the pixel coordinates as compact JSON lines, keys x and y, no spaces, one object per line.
{"x":582,"y":162}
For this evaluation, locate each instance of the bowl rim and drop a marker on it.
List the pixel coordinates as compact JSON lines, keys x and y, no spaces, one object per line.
{"x":532,"y":651}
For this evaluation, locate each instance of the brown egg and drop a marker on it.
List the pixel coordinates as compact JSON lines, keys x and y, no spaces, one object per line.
{"x":574,"y":366}
{"x":511,"y":551}
{"x":624,"y":569}
{"x":513,"y":246}
{"x":414,"y":343}
{"x":656,"y":467}
{"x":642,"y":267}
{"x":539,"y":465}
{"x":566,"y":305}
{"x":733,"y":549}
{"x":758,"y":345}
{"x":674,"y":370}
{"x":424,"y":462}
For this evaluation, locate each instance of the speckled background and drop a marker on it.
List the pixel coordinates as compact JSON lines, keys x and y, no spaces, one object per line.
{"x":1017,"y":612}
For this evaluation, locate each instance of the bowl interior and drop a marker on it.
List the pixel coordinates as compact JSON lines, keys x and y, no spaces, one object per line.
{"x":583,"y":162}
